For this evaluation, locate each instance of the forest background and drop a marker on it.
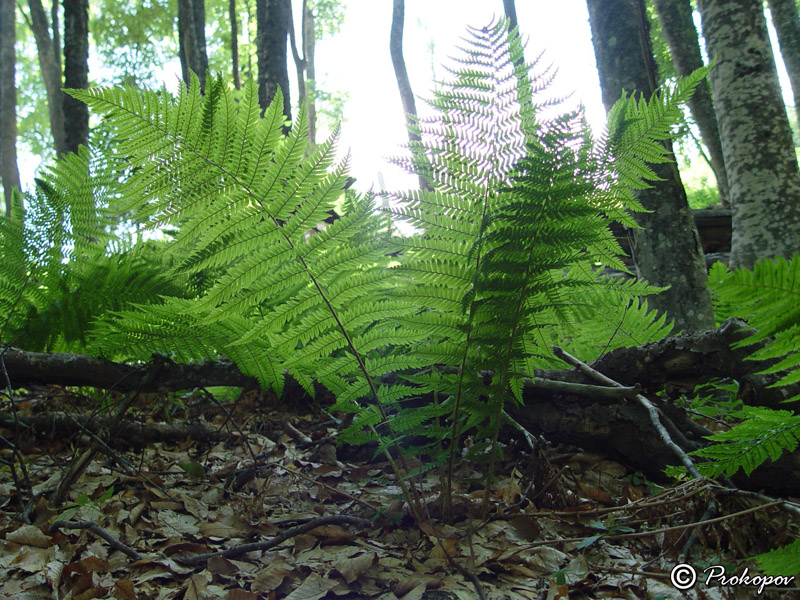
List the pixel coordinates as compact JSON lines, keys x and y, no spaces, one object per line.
{"x":134,"y":42}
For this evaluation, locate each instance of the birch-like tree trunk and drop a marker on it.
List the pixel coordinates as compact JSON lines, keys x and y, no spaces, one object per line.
{"x":9,"y":171}
{"x":76,"y":72}
{"x":787,"y":26}
{"x":272,"y":24}
{"x":309,"y":38}
{"x":678,"y":27}
{"x":754,"y":129}
{"x":192,"y":40}
{"x":667,"y":250}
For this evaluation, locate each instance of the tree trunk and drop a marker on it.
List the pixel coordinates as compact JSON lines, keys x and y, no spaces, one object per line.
{"x":76,"y":72}
{"x":192,"y":40}
{"x":401,"y":74}
{"x":8,"y":102}
{"x":678,"y":27}
{"x":237,"y":81}
{"x":754,"y":129}
{"x":49,"y":51}
{"x":510,"y":9}
{"x":272,"y":24}
{"x":787,"y":26}
{"x":667,"y":250}
{"x":309,"y":48}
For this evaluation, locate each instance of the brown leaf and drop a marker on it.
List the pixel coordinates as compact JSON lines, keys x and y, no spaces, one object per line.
{"x":271,"y":578}
{"x":332,"y":535}
{"x":240,"y":594}
{"x":124,"y":590}
{"x":352,"y":567}
{"x":312,"y":588}
{"x":526,"y":527}
{"x":219,"y":565}
{"x":29,"y":535}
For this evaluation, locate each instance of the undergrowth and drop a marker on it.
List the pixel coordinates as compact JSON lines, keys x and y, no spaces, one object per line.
{"x":429,"y":333}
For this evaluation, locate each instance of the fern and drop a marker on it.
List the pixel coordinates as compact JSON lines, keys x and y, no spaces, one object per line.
{"x":504,"y":262}
{"x":781,"y":561}
{"x":65,"y":264}
{"x":519,"y":210}
{"x":765,"y":434}
{"x":768,"y":297}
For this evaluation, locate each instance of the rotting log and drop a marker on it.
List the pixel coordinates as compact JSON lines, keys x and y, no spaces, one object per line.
{"x":613,"y":426}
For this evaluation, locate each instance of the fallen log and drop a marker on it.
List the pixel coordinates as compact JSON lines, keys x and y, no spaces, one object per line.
{"x":611,"y":425}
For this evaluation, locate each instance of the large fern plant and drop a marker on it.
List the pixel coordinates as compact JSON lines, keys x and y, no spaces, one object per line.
{"x":504,"y":262}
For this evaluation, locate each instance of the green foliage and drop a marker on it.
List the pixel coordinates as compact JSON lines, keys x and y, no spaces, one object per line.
{"x":781,"y":561}
{"x":768,"y":297}
{"x":505,"y":260}
{"x":765,"y":434}
{"x":63,"y":262}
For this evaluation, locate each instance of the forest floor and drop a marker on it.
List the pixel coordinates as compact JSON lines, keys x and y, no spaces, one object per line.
{"x":170,"y":518}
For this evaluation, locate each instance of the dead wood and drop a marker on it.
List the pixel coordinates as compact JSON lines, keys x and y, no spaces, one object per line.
{"x":134,"y":434}
{"x":614,"y":426}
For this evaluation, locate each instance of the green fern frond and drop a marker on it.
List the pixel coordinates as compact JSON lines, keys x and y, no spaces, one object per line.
{"x":781,"y":561}
{"x":765,"y":434}
{"x":768,"y":297}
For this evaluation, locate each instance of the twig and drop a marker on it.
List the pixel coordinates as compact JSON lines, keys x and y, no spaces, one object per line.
{"x":617,"y":391}
{"x":649,"y":406}
{"x":241,"y":549}
{"x":98,"y":531}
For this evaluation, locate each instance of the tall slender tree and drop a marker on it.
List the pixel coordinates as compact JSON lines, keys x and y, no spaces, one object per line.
{"x":677,"y":24}
{"x":49,"y":53}
{"x":754,"y":129}
{"x":9,"y":171}
{"x":401,"y":74}
{"x":272,"y":25}
{"x":667,"y":249}
{"x":302,"y":66}
{"x":76,"y":72}
{"x":787,"y":26}
{"x":192,"y":40}
{"x":237,"y":81}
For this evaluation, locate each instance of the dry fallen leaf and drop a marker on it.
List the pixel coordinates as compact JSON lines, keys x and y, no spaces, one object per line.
{"x":29,"y":535}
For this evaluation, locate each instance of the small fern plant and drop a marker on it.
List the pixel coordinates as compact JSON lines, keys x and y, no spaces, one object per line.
{"x":768,"y":297}
{"x":64,"y":260}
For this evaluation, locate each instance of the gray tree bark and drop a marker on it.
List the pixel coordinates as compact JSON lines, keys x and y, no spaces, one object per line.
{"x":304,"y":66}
{"x":237,"y":81}
{"x":309,"y":38}
{"x":272,"y":23}
{"x":754,"y":129}
{"x":192,"y":40}
{"x":76,"y":72}
{"x":49,"y":52}
{"x":9,"y":171}
{"x":667,"y":250}
{"x":787,"y":26}
{"x":678,"y":27}
{"x":401,"y":74}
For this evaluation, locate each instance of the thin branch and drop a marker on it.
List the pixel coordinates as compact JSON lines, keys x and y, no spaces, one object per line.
{"x":241,"y":549}
{"x":99,"y":532}
{"x":649,"y":406}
